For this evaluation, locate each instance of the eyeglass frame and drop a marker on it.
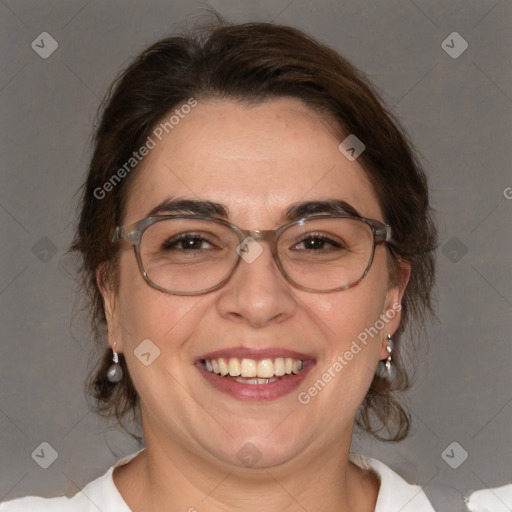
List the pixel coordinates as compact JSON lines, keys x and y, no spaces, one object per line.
{"x":381,"y":233}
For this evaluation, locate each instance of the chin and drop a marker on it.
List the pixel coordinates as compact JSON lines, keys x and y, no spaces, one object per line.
{"x":259,"y":452}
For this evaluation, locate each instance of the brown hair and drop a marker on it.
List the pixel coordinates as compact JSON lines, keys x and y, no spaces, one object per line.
{"x":252,"y":63}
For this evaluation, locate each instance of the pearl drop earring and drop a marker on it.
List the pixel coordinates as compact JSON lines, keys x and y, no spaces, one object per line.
{"x":115,"y":372}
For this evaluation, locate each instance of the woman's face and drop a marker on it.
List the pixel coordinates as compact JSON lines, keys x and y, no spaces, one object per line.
{"x":256,"y":162}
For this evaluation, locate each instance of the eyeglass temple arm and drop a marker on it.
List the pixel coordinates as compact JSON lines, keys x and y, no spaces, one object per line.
{"x":117,"y":234}
{"x":120,"y":233}
{"x":383,"y":233}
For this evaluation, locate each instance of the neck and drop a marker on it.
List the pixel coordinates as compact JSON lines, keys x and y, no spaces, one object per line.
{"x":168,"y":477}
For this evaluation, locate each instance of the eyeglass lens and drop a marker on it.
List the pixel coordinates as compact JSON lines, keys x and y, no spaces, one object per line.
{"x":189,"y":255}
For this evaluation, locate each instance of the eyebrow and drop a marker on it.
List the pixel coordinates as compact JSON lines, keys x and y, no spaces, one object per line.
{"x":189,"y":206}
{"x":330,"y":206}
{"x":295,"y":211}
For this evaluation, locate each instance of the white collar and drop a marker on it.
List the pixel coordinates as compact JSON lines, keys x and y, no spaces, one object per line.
{"x":395,"y":494}
{"x":498,"y":499}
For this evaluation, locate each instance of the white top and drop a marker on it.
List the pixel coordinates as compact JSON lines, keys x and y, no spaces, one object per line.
{"x":498,"y":499}
{"x":395,"y":494}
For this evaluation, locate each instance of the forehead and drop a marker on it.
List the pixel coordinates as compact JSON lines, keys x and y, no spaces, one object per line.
{"x":255,"y":160}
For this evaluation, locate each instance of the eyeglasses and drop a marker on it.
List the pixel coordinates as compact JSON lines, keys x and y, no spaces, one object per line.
{"x":191,"y":255}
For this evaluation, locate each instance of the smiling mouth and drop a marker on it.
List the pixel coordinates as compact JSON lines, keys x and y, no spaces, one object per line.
{"x":252,"y":371}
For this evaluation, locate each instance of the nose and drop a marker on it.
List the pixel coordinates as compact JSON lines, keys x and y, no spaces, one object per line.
{"x":257,"y":292}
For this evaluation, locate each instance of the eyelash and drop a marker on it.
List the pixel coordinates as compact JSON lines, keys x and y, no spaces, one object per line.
{"x":171,"y":243}
{"x":322,"y":237}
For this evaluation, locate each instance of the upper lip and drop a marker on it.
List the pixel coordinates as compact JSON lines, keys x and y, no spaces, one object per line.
{"x":256,"y":354}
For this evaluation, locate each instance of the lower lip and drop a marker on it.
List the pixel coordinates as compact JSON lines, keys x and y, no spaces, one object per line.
{"x":256,"y":392}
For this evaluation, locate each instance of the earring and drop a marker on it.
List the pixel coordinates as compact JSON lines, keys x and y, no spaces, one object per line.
{"x":389,"y":348}
{"x":115,"y":372}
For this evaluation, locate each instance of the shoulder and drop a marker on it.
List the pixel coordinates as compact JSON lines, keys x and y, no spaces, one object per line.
{"x":394,"y":492}
{"x":100,"y":494}
{"x":93,"y":497}
{"x":498,"y":499}
{"x":36,"y":504}
{"x":78,"y":503}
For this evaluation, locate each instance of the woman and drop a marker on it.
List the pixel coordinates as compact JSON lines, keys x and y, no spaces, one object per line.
{"x":256,"y":235}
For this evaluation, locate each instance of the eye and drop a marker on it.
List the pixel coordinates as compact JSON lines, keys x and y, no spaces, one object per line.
{"x":320,"y":242}
{"x":187,"y":242}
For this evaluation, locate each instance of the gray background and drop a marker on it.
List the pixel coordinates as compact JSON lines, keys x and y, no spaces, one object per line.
{"x":458,"y":112}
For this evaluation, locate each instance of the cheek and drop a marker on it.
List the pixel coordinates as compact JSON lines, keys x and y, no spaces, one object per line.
{"x":348,"y":314}
{"x":353,"y":328}
{"x":345,"y":372}
{"x":156,"y":328}
{"x":354,"y":340}
{"x":147,"y":313}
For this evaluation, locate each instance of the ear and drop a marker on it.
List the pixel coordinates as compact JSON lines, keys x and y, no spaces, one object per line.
{"x":393,"y":304}
{"x":110,"y":306}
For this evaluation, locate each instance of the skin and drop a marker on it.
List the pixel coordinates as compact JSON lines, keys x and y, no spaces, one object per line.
{"x":256,"y":161}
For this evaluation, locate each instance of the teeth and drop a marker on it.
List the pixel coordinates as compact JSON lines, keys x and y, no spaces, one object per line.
{"x":248,"y":368}
{"x":265,"y":368}
{"x":258,"y":371}
{"x":279,"y":369}
{"x":254,"y":381}
{"x":223,"y":366}
{"x":234,"y":366}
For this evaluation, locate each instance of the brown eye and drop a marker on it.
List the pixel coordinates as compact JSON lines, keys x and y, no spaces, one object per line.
{"x":187,"y":242}
{"x":318,"y":242}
